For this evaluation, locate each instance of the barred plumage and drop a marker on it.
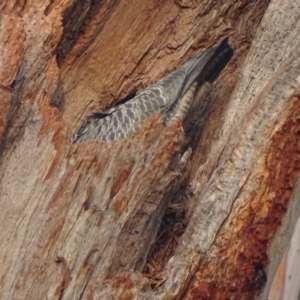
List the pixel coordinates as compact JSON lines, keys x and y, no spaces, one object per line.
{"x":176,"y":96}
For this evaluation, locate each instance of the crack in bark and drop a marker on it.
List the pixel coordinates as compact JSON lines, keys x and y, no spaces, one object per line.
{"x":76,"y":20}
{"x":16,"y":87}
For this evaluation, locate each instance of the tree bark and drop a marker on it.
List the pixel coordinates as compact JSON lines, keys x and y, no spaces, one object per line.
{"x":153,"y":216}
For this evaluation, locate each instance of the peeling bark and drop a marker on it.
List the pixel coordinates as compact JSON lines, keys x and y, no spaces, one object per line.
{"x":153,"y":216}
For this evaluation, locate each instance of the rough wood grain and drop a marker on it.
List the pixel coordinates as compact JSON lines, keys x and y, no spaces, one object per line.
{"x":80,"y":221}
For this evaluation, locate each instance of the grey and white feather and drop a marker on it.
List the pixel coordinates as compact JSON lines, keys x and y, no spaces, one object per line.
{"x":176,"y":96}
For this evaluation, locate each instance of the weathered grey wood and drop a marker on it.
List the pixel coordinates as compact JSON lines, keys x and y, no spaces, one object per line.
{"x":281,"y":241}
{"x":261,"y":103}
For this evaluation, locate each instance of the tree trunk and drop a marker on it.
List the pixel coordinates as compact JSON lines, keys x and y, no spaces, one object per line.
{"x":153,"y":216}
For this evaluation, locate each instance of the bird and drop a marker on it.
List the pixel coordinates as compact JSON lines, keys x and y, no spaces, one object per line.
{"x":179,"y":95}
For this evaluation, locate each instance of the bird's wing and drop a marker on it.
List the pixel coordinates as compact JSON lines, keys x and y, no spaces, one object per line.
{"x":163,"y":96}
